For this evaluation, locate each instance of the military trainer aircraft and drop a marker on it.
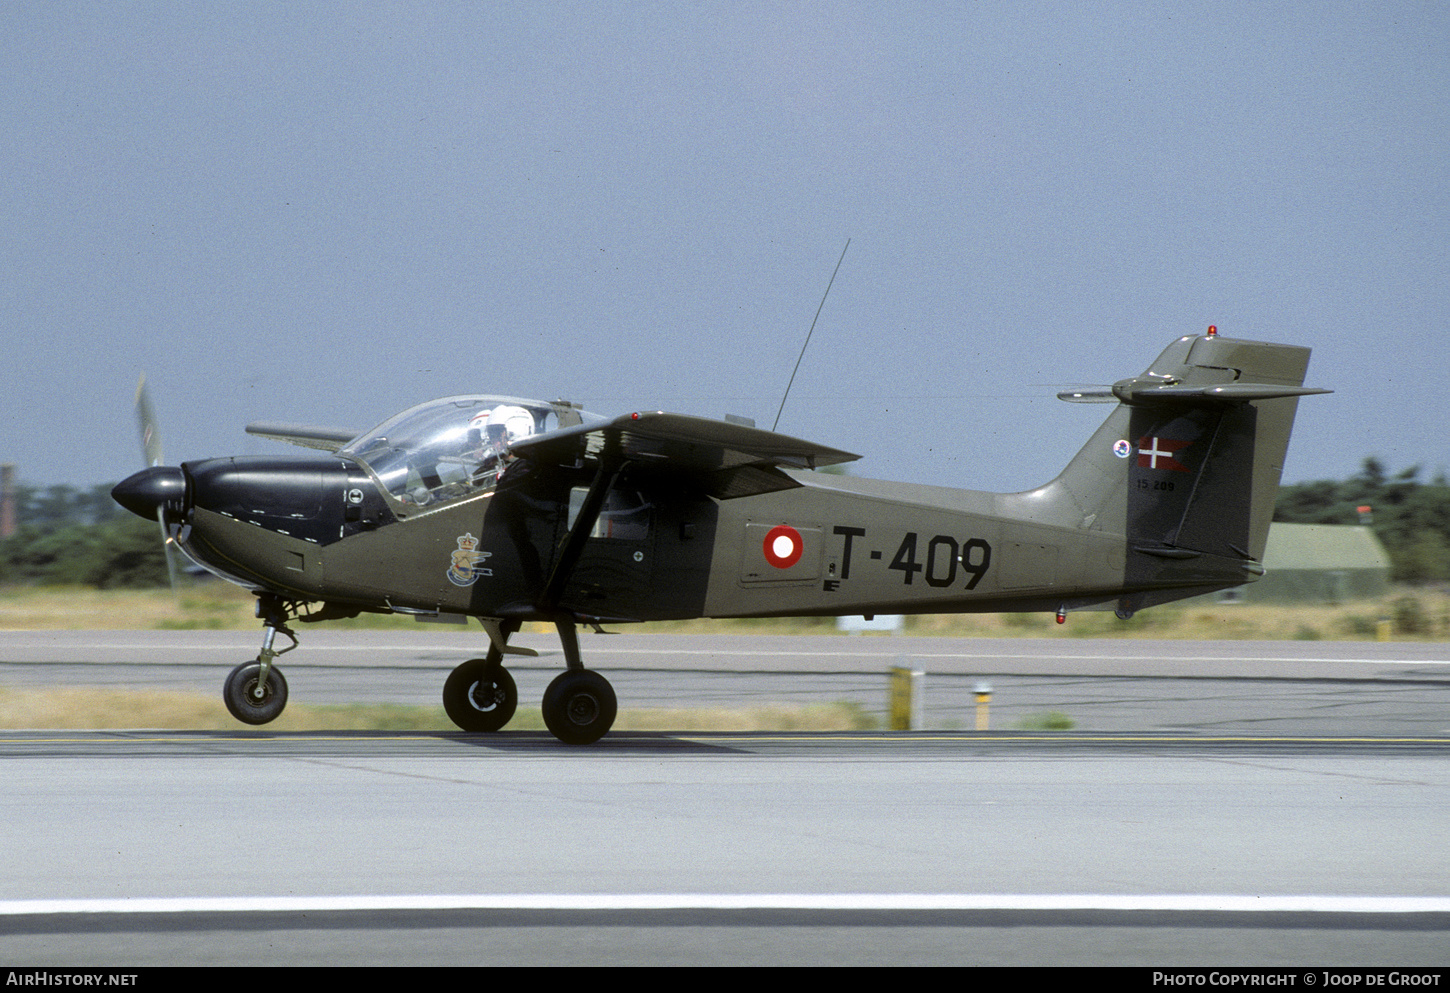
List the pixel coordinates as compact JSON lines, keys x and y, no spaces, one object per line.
{"x":510,"y":510}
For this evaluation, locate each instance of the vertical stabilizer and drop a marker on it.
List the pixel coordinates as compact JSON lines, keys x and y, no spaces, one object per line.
{"x":1187,"y":466}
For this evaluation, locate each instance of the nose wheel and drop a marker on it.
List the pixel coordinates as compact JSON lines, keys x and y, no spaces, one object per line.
{"x":253,"y":698}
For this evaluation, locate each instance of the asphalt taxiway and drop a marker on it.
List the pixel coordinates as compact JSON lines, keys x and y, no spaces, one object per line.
{"x":1279,"y":804}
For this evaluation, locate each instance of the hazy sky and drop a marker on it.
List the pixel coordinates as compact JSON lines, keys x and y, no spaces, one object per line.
{"x":328,"y":212}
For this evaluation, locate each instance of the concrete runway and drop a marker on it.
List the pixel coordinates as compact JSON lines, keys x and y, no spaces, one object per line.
{"x":1321,"y":688}
{"x":1211,"y":834}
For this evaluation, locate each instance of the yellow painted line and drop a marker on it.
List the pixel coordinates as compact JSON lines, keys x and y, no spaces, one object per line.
{"x":124,"y":737}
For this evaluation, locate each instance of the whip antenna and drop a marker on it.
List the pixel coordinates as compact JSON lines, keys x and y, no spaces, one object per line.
{"x":809,"y":333}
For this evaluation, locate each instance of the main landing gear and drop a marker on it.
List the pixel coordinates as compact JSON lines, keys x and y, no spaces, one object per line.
{"x":480,"y":695}
{"x":579,"y":705}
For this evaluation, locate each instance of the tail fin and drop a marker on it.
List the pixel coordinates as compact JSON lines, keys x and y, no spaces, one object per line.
{"x":1187,"y":466}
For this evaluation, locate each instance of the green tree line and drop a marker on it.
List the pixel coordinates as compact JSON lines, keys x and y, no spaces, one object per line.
{"x":70,"y":536}
{"x":1410,"y":518}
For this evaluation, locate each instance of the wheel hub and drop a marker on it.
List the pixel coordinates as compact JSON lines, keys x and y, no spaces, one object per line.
{"x":583,"y":708}
{"x":486,"y":694}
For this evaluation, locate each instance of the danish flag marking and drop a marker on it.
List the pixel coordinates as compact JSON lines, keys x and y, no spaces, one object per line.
{"x":1158,"y":453}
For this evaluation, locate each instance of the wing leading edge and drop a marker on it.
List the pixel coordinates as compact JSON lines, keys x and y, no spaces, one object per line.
{"x":722,"y":459}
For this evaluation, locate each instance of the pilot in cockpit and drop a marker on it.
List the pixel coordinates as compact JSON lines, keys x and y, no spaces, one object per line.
{"x":489,"y":435}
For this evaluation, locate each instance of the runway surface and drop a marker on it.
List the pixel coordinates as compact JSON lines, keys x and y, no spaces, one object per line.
{"x":1184,"y":841}
{"x":1324,"y":688}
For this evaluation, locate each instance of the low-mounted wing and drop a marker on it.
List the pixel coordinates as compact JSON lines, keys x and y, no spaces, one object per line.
{"x":724,"y":459}
{"x":305,"y":435}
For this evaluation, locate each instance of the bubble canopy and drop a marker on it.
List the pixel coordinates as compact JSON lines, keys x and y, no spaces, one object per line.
{"x":456,"y":446}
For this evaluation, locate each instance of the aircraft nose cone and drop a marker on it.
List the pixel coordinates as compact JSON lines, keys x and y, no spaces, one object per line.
{"x":150,"y":489}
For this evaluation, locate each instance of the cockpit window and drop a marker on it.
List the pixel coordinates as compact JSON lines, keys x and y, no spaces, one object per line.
{"x":451,"y":448}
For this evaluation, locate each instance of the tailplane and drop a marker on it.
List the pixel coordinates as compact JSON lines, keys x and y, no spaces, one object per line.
{"x":1187,"y":466}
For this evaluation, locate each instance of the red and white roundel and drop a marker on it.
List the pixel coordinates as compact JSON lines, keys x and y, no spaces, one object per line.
{"x":783,"y":546}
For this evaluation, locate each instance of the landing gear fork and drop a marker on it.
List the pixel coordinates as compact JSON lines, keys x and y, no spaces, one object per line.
{"x":274,"y":613}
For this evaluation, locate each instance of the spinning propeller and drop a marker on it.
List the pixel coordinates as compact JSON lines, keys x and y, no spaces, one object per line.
{"x":151,"y":491}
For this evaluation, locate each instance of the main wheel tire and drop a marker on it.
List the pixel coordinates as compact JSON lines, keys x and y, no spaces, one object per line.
{"x":480,"y":697}
{"x":579,"y":707}
{"x":243,"y":700}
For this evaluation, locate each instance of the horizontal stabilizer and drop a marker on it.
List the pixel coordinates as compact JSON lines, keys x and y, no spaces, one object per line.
{"x":1138,"y":391}
{"x":1096,"y":394}
{"x":305,"y":435}
{"x":1187,"y":465}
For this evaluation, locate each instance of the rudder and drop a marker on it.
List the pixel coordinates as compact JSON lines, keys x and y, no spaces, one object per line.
{"x":1187,"y":466}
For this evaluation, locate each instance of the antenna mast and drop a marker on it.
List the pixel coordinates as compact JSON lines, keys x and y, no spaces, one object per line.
{"x":809,"y":333}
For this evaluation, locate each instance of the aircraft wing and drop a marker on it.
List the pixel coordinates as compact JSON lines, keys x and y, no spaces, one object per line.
{"x":305,"y":435}
{"x":723,"y":459}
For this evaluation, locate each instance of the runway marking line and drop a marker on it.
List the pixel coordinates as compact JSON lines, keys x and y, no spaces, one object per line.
{"x":123,"y":736}
{"x":1232,"y":903}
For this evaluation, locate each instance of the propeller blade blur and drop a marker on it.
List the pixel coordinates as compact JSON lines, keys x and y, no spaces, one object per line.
{"x":151,"y":452}
{"x":167,"y":549}
{"x":146,"y":422}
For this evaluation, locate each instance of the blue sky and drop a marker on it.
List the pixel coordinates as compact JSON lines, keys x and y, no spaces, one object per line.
{"x":328,"y":212}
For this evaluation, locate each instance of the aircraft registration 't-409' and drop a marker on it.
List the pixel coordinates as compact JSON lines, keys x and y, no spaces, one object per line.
{"x":511,"y":510}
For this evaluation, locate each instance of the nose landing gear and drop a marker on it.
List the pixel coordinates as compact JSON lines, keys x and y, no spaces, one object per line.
{"x":256,"y":692}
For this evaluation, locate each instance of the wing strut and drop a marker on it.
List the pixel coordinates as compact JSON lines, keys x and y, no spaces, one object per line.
{"x":611,"y":464}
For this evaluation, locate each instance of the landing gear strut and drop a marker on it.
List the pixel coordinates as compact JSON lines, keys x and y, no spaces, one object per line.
{"x":579,"y":705}
{"x":256,"y":692}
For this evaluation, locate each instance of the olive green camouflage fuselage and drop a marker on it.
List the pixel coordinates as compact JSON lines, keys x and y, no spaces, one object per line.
{"x":1171,"y":497}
